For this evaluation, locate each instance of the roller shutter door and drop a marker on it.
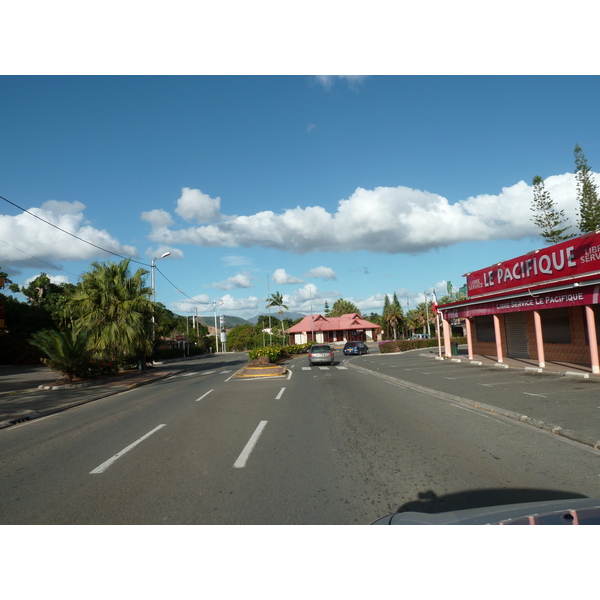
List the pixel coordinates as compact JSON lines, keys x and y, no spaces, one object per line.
{"x":516,"y":335}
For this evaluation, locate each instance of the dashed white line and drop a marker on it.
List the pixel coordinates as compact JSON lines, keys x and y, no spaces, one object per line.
{"x":243,"y":457}
{"x":278,"y":397}
{"x":110,"y":461}
{"x":204,"y":396}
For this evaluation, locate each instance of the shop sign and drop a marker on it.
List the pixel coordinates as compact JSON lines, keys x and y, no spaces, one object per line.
{"x":541,"y":301}
{"x":578,"y":256}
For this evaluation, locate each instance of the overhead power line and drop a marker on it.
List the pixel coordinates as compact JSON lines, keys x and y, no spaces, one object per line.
{"x":95,"y":246}
{"x":73,"y":235}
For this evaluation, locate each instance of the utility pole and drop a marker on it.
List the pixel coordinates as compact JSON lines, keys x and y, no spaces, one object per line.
{"x":427,"y":315}
{"x":268,"y":298}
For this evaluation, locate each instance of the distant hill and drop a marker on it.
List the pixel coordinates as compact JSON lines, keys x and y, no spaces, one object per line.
{"x":230,"y":322}
{"x":286,"y":315}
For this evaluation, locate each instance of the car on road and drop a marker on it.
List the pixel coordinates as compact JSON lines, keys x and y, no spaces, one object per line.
{"x":320,"y":354}
{"x":420,"y":336}
{"x":356,"y":348}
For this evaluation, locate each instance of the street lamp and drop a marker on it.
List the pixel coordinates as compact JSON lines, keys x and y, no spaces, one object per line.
{"x":216,"y":330}
{"x":153,"y":295}
{"x":153,"y":262}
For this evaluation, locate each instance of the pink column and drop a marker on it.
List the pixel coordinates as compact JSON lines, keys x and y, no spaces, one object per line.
{"x":539,"y":338}
{"x":469,"y":340}
{"x":498,"y":338}
{"x":591,"y":325}
{"x":447,"y":336}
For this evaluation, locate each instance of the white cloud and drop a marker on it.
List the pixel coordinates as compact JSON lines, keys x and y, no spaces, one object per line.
{"x":56,"y":279}
{"x":36,"y":238}
{"x":323,"y":273}
{"x":196,"y":206}
{"x":282,"y":278}
{"x":386,"y":220}
{"x":158,"y":218}
{"x":231,"y":260}
{"x":202,"y":302}
{"x":238,"y":281}
{"x":174,"y":253}
{"x":327,"y":81}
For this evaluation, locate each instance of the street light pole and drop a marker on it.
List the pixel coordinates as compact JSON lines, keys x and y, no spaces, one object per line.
{"x":153,"y":263}
{"x":154,"y":295}
{"x":216,"y":329}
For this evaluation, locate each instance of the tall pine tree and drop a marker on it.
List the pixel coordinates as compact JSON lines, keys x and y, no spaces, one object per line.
{"x":587,"y":196}
{"x":546,"y":216}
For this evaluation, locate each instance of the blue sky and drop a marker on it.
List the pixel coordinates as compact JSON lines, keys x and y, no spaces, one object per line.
{"x":330,"y":187}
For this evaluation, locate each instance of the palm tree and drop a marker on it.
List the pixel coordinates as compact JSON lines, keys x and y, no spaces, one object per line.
{"x":394,"y":315}
{"x":115,"y":307}
{"x":66,"y":351}
{"x":276,"y":299}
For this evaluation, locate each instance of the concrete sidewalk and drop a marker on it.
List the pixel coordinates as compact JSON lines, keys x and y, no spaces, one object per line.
{"x":574,"y":414}
{"x":30,"y":393}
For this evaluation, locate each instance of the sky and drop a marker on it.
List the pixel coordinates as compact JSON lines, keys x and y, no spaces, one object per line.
{"x":316,"y":187}
{"x":259,"y":174}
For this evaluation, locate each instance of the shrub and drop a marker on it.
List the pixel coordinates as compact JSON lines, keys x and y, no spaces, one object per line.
{"x":273,"y":352}
{"x":404,"y":345}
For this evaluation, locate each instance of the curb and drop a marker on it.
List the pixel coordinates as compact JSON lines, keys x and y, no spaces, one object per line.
{"x":537,"y":423}
{"x":243,"y":372}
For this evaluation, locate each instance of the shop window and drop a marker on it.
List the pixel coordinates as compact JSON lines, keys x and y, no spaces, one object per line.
{"x":485,"y":329}
{"x":556,"y":326}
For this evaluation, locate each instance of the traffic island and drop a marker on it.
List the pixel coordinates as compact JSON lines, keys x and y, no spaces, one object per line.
{"x":262,"y":367}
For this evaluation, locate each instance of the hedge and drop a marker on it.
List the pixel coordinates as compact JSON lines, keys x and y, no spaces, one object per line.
{"x":276,"y":353}
{"x":404,"y":345}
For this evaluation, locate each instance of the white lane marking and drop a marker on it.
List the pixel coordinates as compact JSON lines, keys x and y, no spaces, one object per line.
{"x":207,"y":393}
{"x":342,"y":368}
{"x":278,"y":397}
{"x":190,"y":374}
{"x":324,"y":368}
{"x":306,"y":368}
{"x":290,"y":376}
{"x":243,"y":457}
{"x":207,"y":372}
{"x":118,"y":455}
{"x":539,"y":395}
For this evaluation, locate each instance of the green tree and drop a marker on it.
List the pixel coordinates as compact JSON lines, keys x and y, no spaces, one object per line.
{"x":115,"y":308}
{"x":276,"y":300}
{"x":384,"y":316}
{"x":394,"y":315}
{"x":66,"y":351}
{"x":48,"y":297}
{"x":546,"y":216}
{"x":343,"y":307}
{"x":587,"y":196}
{"x":244,"y":337}
{"x":326,"y":309}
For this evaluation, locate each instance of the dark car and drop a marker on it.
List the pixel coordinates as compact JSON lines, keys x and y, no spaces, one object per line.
{"x":356,"y":348}
{"x":321,"y":354}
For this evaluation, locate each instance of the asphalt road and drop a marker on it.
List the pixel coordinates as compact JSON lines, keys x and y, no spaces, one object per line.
{"x":318,"y":446}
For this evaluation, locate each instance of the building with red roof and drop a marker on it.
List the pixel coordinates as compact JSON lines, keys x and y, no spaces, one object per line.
{"x":322,"y":330}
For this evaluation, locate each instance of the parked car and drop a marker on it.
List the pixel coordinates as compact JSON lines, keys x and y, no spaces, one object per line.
{"x":356,"y":348}
{"x":320,"y":354}
{"x":420,"y":336}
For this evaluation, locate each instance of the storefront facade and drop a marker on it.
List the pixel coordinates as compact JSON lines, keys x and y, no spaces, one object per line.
{"x":544,"y":306}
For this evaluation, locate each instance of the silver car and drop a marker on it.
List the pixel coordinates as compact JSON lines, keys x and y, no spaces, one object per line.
{"x":320,"y":354}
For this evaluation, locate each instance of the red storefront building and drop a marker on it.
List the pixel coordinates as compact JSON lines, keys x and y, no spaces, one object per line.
{"x":544,"y":306}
